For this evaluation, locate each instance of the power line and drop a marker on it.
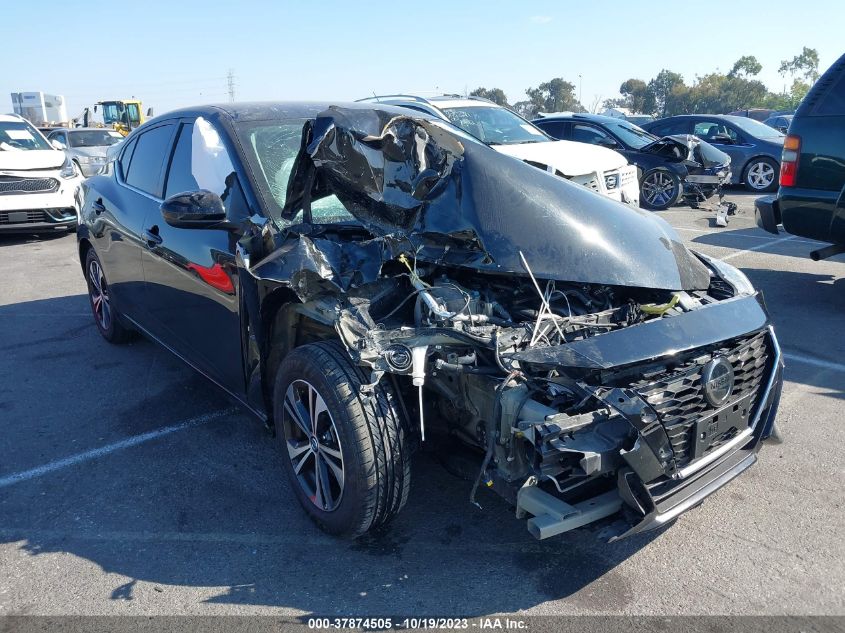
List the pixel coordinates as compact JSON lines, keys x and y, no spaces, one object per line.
{"x":230,"y":81}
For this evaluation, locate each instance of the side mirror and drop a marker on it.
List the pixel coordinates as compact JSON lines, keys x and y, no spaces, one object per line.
{"x":722,"y":138}
{"x":150,"y":113}
{"x":195,"y":210}
{"x":606,"y":141}
{"x":57,"y":144}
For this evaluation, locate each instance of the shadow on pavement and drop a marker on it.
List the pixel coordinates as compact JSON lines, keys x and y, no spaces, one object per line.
{"x":210,"y":508}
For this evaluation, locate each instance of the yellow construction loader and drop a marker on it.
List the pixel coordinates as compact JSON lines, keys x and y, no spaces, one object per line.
{"x":124,"y":115}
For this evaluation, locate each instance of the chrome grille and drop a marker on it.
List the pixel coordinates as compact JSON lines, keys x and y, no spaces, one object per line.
{"x":15,"y":184}
{"x":678,"y":395}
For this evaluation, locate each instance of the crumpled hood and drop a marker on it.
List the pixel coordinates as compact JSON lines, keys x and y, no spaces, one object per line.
{"x":687,"y":147}
{"x":567,"y":157}
{"x":449,"y":199}
{"x":21,"y":160}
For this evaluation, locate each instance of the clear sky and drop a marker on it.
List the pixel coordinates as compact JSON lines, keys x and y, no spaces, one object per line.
{"x":177,"y":52}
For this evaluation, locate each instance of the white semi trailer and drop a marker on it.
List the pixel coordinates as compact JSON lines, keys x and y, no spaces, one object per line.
{"x":40,"y":108}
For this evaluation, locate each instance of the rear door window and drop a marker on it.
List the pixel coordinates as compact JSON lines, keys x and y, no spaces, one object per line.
{"x":126,"y":158}
{"x":589,"y":134}
{"x":557,"y":129}
{"x":148,"y":159}
{"x":681,"y":126}
{"x":714,"y":131}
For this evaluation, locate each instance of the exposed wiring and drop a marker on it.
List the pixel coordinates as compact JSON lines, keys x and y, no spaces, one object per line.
{"x":491,"y":439}
{"x":545,"y":303}
{"x":652,"y":308}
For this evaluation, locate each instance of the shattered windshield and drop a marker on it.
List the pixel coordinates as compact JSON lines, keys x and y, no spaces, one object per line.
{"x":494,"y":125}
{"x":273,"y":146}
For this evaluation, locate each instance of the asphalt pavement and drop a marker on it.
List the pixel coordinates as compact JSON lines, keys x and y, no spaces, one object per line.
{"x":131,"y":485}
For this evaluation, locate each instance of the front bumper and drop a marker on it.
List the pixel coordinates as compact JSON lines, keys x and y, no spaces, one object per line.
{"x":654,"y":492}
{"x":38,"y":212}
{"x":38,"y":220}
{"x":699,"y":187}
{"x":666,"y":500}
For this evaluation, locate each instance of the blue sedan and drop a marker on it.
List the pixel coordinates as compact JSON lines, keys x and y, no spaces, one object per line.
{"x":754,"y":148}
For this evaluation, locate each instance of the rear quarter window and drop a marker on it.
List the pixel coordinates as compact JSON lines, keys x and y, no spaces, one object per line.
{"x":827,"y":96}
{"x":832,"y":102}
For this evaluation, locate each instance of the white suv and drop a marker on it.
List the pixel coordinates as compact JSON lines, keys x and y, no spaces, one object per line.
{"x":600,"y":169}
{"x":39,"y":185}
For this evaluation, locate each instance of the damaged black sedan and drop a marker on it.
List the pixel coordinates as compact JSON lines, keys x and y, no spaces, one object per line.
{"x":360,"y":278}
{"x":671,"y":169}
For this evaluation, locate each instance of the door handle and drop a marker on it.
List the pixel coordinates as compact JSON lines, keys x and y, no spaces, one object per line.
{"x":98,"y":206}
{"x":152,"y":236}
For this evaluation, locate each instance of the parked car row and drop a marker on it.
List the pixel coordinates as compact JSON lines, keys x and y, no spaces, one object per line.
{"x":677,"y":159}
{"x":668,"y":168}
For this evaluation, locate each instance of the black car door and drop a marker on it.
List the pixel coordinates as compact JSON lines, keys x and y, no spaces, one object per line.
{"x":191,"y":286}
{"x":117,"y":207}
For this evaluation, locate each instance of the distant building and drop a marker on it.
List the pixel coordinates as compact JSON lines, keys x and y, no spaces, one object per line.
{"x":39,"y":108}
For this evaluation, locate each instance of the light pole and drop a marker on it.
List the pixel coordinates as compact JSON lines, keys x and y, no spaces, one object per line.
{"x":580,"y":82}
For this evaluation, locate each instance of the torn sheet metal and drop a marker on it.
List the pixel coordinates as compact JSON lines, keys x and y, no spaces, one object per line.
{"x":312,"y":265}
{"x":457,"y":201}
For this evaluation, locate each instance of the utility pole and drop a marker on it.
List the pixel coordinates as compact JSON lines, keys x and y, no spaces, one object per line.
{"x":230,"y":80}
{"x":580,"y":83}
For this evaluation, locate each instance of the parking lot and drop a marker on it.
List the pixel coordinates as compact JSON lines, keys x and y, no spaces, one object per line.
{"x":130,"y":485}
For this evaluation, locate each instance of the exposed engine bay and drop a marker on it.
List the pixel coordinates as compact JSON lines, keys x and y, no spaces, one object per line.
{"x":592,"y":360}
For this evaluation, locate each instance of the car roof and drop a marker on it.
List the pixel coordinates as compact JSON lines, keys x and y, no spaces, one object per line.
{"x":269,"y":110}
{"x":11,"y":118}
{"x":583,"y":116}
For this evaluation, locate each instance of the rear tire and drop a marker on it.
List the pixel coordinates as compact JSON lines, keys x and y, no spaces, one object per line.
{"x":106,"y":317}
{"x":354,"y":450}
{"x":761,"y":174}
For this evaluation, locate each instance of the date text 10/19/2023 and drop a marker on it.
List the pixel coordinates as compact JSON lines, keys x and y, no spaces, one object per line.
{"x":381,"y":624}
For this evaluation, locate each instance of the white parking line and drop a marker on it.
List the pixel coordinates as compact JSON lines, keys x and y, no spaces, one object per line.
{"x":817,"y":362}
{"x":748,"y":235}
{"x":96,"y":453}
{"x":789,"y":238}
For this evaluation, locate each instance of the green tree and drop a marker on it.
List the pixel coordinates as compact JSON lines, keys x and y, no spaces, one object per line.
{"x":637,"y":96}
{"x":805,"y":64}
{"x":661,"y":89}
{"x":496,"y":95}
{"x":747,"y":66}
{"x":556,"y":95}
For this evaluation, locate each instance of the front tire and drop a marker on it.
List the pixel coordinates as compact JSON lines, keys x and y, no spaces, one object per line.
{"x":761,"y":174}
{"x":106,"y":317}
{"x":347,"y":456}
{"x":659,"y":189}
